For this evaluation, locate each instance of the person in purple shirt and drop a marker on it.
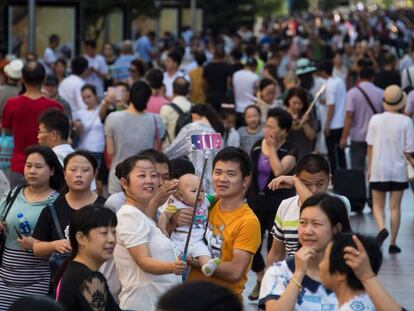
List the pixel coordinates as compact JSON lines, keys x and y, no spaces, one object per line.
{"x":361,"y":103}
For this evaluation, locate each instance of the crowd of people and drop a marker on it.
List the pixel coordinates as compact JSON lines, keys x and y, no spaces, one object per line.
{"x":104,"y":176}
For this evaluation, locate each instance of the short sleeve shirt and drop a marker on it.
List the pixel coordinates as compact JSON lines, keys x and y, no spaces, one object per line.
{"x":227,"y":231}
{"x":46,"y":230}
{"x":358,"y":303}
{"x":20,"y":114}
{"x":312,"y":296}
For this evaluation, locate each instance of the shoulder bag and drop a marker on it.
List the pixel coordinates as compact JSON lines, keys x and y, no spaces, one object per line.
{"x":11,"y":197}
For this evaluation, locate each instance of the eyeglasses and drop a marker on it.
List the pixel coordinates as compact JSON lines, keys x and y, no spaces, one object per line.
{"x":132,"y":70}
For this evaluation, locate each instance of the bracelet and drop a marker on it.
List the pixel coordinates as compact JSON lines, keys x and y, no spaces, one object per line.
{"x":296,"y":282}
{"x":368,"y":277}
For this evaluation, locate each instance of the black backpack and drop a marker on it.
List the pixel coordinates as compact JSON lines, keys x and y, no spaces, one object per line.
{"x":184,"y":118}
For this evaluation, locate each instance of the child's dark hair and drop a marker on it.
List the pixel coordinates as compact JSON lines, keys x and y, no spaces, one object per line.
{"x":337,"y":262}
{"x":284,"y":120}
{"x":233,"y":154}
{"x":181,"y":166}
{"x":252,"y":107}
{"x":332,"y":206}
{"x":57,"y":180}
{"x":83,"y":153}
{"x":312,"y":164}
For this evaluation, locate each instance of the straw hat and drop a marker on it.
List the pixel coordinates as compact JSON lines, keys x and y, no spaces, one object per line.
{"x":14,"y":69}
{"x":394,"y":98}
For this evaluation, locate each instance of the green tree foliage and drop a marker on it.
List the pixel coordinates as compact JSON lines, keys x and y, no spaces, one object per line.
{"x":327,"y":5}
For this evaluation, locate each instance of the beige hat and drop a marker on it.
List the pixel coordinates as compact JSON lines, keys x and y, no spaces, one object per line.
{"x":14,"y":69}
{"x":394,"y":98}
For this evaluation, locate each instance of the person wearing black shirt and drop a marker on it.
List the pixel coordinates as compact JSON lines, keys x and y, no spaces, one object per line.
{"x":93,"y":239}
{"x":217,"y":79}
{"x":80,"y":169}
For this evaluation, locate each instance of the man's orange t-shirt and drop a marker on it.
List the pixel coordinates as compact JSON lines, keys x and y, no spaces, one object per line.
{"x":226,"y":231}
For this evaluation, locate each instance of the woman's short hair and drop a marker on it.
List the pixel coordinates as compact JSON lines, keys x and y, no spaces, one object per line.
{"x":139,"y":95}
{"x":284,"y":120}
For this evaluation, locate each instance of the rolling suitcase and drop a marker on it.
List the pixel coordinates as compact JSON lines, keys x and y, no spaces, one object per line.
{"x":351,"y":184}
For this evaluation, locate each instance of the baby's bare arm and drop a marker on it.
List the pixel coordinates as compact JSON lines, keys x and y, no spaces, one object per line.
{"x":163,"y":222}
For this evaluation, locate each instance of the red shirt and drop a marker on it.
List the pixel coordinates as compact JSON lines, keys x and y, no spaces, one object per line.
{"x":20,"y":114}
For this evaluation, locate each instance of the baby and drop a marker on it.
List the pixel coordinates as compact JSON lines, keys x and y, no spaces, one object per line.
{"x":185,"y":198}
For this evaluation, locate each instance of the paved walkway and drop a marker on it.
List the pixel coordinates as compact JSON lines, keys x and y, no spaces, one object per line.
{"x":397,"y":271}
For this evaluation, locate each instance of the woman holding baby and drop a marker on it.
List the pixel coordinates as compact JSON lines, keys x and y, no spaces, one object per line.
{"x":145,"y":259}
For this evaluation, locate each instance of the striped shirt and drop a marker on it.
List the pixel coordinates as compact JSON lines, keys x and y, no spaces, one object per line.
{"x":247,"y":140}
{"x":285,"y":226}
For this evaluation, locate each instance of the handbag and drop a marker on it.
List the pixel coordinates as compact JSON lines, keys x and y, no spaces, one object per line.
{"x":56,"y":259}
{"x":6,"y":150}
{"x":11,"y":197}
{"x":157,"y":141}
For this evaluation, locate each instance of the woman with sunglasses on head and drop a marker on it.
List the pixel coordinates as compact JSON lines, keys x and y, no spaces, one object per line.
{"x":287,"y":282}
{"x":92,"y":237}
{"x":22,"y":274}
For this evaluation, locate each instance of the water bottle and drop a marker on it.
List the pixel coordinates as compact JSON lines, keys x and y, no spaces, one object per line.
{"x":24,"y":225}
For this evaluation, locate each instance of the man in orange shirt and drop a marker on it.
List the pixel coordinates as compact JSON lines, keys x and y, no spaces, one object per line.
{"x":233,"y":230}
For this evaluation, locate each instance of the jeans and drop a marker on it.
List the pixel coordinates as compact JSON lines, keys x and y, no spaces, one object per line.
{"x":358,"y":153}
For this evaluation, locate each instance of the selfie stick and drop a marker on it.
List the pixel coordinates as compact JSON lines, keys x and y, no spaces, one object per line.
{"x":317,"y":95}
{"x":187,"y":242}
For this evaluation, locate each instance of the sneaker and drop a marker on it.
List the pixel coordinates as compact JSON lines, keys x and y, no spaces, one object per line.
{"x":382,"y":236}
{"x":394,"y":249}
{"x":211,"y":266}
{"x":254,"y":295}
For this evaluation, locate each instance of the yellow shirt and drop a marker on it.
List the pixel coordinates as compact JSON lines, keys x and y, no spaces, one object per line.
{"x":226,"y":231}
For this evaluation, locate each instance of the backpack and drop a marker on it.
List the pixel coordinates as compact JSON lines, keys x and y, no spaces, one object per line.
{"x":410,"y":86}
{"x":184,"y":118}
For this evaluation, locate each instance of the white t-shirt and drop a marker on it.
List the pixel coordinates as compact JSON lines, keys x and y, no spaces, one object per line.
{"x":141,"y":290}
{"x":93,"y":136}
{"x":49,"y":58}
{"x":358,"y":303}
{"x":335,"y":95}
{"x":313,"y":296}
{"x":390,"y":135}
{"x":168,"y":82}
{"x":70,"y":90}
{"x":243,"y":83}
{"x":98,"y":62}
{"x":62,"y":151}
